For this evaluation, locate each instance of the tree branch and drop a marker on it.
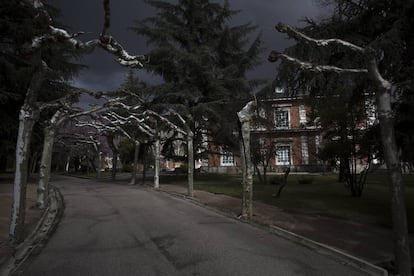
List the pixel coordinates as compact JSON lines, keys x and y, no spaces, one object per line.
{"x":293,"y":33}
{"x":106,"y":42}
{"x":165,"y":121}
{"x":275,"y":56}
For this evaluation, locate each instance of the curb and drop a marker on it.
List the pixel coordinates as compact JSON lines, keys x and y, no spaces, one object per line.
{"x":40,"y":235}
{"x":327,"y":250}
{"x":339,"y":255}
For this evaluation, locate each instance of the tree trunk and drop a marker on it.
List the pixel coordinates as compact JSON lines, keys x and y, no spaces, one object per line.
{"x":26,"y":122}
{"x":144,"y":170}
{"x":245,"y":115}
{"x":27,"y":118}
{"x":67,"y":164}
{"x":114,"y":164}
{"x":243,"y":159}
{"x":110,"y":139}
{"x":285,"y":177}
{"x":45,"y":165}
{"x":99,"y":168}
{"x":259,"y":175}
{"x":190,"y":171}
{"x":135,"y":169}
{"x":389,"y":145}
{"x":157,"y":163}
{"x":398,"y":209}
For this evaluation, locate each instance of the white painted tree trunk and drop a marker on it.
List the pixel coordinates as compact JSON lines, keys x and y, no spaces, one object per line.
{"x":135,"y":169}
{"x":45,"y":167}
{"x":27,"y":118}
{"x":26,"y":122}
{"x":245,"y":116}
{"x":190,"y":172}
{"x":389,"y":145}
{"x":67,"y":164}
{"x":386,"y":122}
{"x":157,"y":153}
{"x":99,"y":169}
{"x":242,"y":159}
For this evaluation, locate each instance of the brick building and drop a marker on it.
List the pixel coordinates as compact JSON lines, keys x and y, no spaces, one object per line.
{"x":284,"y":130}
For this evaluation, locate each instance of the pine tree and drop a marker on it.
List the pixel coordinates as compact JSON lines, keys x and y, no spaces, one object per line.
{"x":203,"y":62}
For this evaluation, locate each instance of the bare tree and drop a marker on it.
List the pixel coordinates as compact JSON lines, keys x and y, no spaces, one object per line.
{"x":245,"y":117}
{"x":386,"y":121}
{"x":65,"y":111}
{"x":135,"y":117}
{"x":29,"y":111}
{"x":188,"y":133}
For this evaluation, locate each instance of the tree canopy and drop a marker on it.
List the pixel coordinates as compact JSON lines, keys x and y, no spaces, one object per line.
{"x":202,"y":60}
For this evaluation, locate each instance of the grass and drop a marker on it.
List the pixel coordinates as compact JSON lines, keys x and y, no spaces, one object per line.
{"x":323,"y":196}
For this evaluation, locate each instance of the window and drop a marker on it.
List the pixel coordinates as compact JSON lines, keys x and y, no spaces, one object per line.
{"x":260,"y":125}
{"x":278,"y":90}
{"x":262,"y":146}
{"x":283,"y":155}
{"x":305,"y":152}
{"x":302,"y":114}
{"x":281,"y":118}
{"x":262,"y":113}
{"x":227,"y":158}
{"x":317,"y":143}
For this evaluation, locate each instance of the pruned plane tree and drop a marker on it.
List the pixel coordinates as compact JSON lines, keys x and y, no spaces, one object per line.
{"x":364,"y":60}
{"x":38,"y":50}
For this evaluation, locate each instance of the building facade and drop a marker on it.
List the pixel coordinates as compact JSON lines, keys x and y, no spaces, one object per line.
{"x":282,"y":136}
{"x":285,"y":136}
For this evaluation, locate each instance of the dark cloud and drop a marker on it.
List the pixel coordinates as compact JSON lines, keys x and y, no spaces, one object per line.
{"x":105,"y":74}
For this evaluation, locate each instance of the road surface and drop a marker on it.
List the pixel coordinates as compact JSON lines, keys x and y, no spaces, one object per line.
{"x":114,"y":229}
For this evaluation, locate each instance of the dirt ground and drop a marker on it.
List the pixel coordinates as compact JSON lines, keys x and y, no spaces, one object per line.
{"x":32,"y":214}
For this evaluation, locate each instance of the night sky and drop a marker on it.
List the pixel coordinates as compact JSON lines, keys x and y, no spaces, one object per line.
{"x":105,"y":74}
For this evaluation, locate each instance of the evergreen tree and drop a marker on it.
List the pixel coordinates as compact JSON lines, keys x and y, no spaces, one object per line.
{"x":18,"y":25}
{"x":203,"y":62}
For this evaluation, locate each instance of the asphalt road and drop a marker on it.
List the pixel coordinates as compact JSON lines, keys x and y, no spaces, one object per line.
{"x":111,"y":229}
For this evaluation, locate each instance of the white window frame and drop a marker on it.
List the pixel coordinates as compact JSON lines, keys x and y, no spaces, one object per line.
{"x":302,"y":114}
{"x":279,"y":90}
{"x":304,"y":149}
{"x":226,"y":158}
{"x":284,"y":163}
{"x":278,"y":110}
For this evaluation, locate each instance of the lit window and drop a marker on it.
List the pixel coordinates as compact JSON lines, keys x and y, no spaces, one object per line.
{"x":305,"y":152}
{"x":262,"y":146}
{"x":262,"y":113}
{"x":283,"y":155}
{"x":227,"y":158}
{"x":302,"y":114}
{"x":260,"y":120}
{"x":278,"y":90}
{"x":281,"y":118}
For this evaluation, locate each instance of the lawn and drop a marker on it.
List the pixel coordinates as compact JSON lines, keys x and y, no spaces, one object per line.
{"x":323,"y":196}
